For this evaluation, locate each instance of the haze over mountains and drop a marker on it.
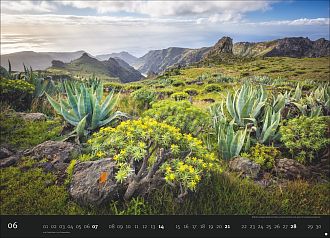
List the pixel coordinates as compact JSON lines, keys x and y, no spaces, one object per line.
{"x":156,"y":61}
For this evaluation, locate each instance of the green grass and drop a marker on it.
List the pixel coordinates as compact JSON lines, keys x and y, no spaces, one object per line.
{"x":30,"y":191}
{"x":27,"y":190}
{"x":22,"y":134}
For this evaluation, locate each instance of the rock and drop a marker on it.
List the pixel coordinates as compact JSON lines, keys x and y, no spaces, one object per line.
{"x":245,"y":167}
{"x":32,"y":116}
{"x":9,"y":161}
{"x":93,"y":182}
{"x":224,"y":45}
{"x":58,"y":155}
{"x":291,"y":169}
{"x":5,"y":153}
{"x":54,"y":151}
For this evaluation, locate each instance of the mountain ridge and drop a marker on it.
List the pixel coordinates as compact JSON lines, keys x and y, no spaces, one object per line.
{"x":113,"y":68}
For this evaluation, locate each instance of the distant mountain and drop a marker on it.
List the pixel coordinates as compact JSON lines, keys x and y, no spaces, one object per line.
{"x":37,"y":60}
{"x":112,"y":68}
{"x":156,"y":61}
{"x":224,"y":50}
{"x":127,"y":57}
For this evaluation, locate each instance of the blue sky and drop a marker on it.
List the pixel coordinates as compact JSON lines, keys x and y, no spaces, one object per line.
{"x":100,"y":27}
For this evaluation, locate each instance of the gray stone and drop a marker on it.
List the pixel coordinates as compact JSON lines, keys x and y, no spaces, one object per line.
{"x":245,"y":167}
{"x":93,"y":182}
{"x":54,"y":151}
{"x":5,"y":153}
{"x":32,"y":116}
{"x":291,"y":169}
{"x":9,"y":161}
{"x":58,"y":155}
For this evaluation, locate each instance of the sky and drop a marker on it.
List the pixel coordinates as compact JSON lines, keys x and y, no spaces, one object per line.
{"x":101,"y":27}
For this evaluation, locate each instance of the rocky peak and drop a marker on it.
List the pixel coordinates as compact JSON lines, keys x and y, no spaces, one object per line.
{"x":224,"y":45}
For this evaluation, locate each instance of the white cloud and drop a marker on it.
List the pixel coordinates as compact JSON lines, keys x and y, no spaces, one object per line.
{"x":27,"y":7}
{"x":298,"y":22}
{"x":172,"y":8}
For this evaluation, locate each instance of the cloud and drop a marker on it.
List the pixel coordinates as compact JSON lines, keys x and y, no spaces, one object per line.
{"x":298,"y":22}
{"x":172,"y":8}
{"x":26,"y":7}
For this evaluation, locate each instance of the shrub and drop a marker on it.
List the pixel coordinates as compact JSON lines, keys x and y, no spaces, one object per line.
{"x":178,"y":83}
{"x":263,"y":155}
{"x":306,"y":137}
{"x":16,"y":92}
{"x":24,"y":134}
{"x":112,"y":86}
{"x":191,"y":91}
{"x":144,"y":147}
{"x":212,"y":88}
{"x":144,"y":97}
{"x":182,"y":114}
{"x":180,"y":96}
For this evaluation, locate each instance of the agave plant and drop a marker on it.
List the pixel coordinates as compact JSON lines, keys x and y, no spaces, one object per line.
{"x":84,"y":109}
{"x":230,"y":142}
{"x":268,"y":132}
{"x":246,"y":104}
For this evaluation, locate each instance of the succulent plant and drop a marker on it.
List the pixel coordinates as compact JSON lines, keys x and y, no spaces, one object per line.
{"x":230,"y":142}
{"x":246,"y":104}
{"x":83,"y":107}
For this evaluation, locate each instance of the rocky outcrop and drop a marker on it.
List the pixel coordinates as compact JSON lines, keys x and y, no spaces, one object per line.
{"x":245,"y":167}
{"x":291,"y":169}
{"x":287,"y":47}
{"x":223,"y":46}
{"x":93,"y":182}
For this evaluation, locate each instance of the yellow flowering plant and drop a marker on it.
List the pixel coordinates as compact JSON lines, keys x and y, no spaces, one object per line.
{"x":146,"y":150}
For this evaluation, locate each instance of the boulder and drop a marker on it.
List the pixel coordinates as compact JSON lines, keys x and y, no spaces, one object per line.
{"x":94,"y":182}
{"x":54,"y":151}
{"x":291,"y":169}
{"x":245,"y":167}
{"x":55,"y":156}
{"x":32,"y":116}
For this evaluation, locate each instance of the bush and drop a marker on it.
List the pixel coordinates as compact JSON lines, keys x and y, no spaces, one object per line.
{"x":24,"y":134}
{"x":263,"y":155}
{"x":178,"y":83}
{"x":18,"y":93}
{"x":180,"y":96}
{"x":144,"y":97}
{"x":212,"y":88}
{"x":117,"y":87}
{"x":182,"y":114}
{"x":306,"y":137}
{"x":144,"y":147}
{"x":191,"y":91}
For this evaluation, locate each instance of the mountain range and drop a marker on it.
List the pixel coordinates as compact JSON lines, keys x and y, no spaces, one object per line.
{"x":110,"y":68}
{"x":156,"y":61}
